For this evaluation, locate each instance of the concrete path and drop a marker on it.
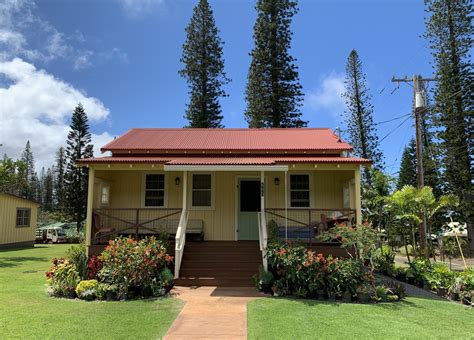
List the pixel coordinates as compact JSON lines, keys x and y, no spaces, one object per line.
{"x":411,"y":290}
{"x":212,"y":313}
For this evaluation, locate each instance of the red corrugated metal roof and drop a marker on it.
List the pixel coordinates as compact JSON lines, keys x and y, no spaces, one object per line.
{"x":264,"y":160}
{"x":304,"y":139}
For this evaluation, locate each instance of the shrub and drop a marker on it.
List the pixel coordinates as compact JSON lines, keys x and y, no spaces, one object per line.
{"x":93,"y":266}
{"x":133,"y":264}
{"x":384,"y":260}
{"x":440,"y":276}
{"x":106,"y":291}
{"x":420,"y":269}
{"x":77,"y":255}
{"x":303,"y":273}
{"x":62,"y":278}
{"x":361,"y":239}
{"x":87,"y":289}
{"x":403,"y":251}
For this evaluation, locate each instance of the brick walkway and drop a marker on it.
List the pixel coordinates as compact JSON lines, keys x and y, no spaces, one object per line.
{"x":212,"y":313}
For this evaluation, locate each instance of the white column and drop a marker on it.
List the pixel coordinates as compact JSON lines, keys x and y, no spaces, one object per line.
{"x":357,"y":195}
{"x":90,"y":199}
{"x":286,"y":205}
{"x":185,"y":190}
{"x":262,"y":192}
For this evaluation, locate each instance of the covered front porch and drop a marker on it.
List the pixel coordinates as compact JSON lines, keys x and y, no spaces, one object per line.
{"x":220,"y":203}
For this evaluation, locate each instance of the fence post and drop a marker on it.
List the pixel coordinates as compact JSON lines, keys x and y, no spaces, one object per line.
{"x":309,"y":228}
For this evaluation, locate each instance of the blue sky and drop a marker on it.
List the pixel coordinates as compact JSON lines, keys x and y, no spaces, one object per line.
{"x":121,"y":58}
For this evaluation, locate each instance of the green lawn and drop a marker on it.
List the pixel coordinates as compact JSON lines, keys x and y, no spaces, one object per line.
{"x":279,"y":318}
{"x":26,"y":311}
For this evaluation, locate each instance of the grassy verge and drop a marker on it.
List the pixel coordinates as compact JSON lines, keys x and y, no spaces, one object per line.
{"x":279,"y":318}
{"x":26,"y":311}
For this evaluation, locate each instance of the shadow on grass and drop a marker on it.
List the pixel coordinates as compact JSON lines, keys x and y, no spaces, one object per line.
{"x":9,"y":262}
{"x":383,"y":305}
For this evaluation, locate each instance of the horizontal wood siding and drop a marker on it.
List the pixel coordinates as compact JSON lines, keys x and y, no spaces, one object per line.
{"x":126,"y":191}
{"x":9,"y":233}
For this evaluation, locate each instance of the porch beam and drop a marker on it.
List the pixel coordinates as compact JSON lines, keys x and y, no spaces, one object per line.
{"x":226,"y":167}
{"x":90,"y":198}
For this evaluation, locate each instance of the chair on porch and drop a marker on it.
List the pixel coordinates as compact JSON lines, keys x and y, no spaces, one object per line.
{"x":100,"y":230}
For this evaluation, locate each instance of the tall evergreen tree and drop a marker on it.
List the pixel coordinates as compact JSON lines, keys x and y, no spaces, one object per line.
{"x":449,"y":31}
{"x":359,"y":115}
{"x":29,"y":190}
{"x":407,"y":173}
{"x":274,"y":93}
{"x":203,"y":69}
{"x":47,"y":184}
{"x":76,"y":178}
{"x":59,"y":180}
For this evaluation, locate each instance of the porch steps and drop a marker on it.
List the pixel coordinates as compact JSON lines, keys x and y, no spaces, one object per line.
{"x":220,"y":263}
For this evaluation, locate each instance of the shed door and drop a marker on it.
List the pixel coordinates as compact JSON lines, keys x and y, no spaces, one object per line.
{"x":249,"y":206}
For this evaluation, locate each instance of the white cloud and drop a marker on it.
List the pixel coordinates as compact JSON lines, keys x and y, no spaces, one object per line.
{"x":36,"y":106}
{"x":24,"y":34}
{"x":136,"y":8}
{"x":328,"y":95}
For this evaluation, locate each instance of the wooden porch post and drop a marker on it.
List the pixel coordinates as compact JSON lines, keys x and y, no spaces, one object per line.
{"x":185,"y":190}
{"x":90,"y":199}
{"x":286,"y":206}
{"x":262,"y":192}
{"x":357,"y":195}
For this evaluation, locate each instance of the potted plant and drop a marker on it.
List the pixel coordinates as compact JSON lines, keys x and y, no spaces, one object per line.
{"x":364,"y":293}
{"x":266,"y":280}
{"x":321,"y":294}
{"x":347,"y":296}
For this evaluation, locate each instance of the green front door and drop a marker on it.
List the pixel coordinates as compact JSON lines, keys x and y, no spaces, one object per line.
{"x":249,"y":206}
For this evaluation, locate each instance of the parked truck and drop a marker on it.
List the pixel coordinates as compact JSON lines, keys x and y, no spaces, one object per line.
{"x":50,"y":235}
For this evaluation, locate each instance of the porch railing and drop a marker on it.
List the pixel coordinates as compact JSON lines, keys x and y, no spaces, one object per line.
{"x":306,"y":224}
{"x":180,"y":241}
{"x":108,"y":223}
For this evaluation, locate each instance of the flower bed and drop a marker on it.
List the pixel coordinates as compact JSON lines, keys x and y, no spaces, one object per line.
{"x":297,"y":271}
{"x":126,"y":269}
{"x":434,"y":276}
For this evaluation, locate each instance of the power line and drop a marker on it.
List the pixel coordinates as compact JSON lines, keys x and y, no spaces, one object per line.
{"x":391,"y":120}
{"x":393,"y":130}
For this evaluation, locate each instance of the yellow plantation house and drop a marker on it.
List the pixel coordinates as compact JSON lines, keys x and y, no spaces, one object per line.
{"x":17,"y":221}
{"x":217,"y":190}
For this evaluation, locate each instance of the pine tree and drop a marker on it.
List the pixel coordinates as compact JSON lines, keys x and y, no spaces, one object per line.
{"x":431,"y":166}
{"x":47,"y":184}
{"x":59,"y":179}
{"x":39,"y":195}
{"x":274,"y":93}
{"x":449,"y":31}
{"x":407,"y":173}
{"x":76,"y":178}
{"x":359,"y":115}
{"x":203,"y":69}
{"x":29,"y":190}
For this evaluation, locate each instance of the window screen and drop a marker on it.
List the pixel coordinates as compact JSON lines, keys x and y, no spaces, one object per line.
{"x":202,"y":190}
{"x":299,"y":190}
{"x":23,"y":216}
{"x":155,"y":190}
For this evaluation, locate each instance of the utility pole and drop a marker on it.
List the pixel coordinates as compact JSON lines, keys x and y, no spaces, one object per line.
{"x":419,"y":96}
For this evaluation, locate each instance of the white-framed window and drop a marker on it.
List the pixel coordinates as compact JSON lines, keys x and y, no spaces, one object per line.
{"x":104,"y":194}
{"x":300,"y":191}
{"x":23,"y":217}
{"x":154,"y":190}
{"x":202,"y":190}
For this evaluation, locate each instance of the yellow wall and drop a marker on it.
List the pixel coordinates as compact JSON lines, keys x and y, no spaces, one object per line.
{"x":126,"y":191}
{"x":9,"y":233}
